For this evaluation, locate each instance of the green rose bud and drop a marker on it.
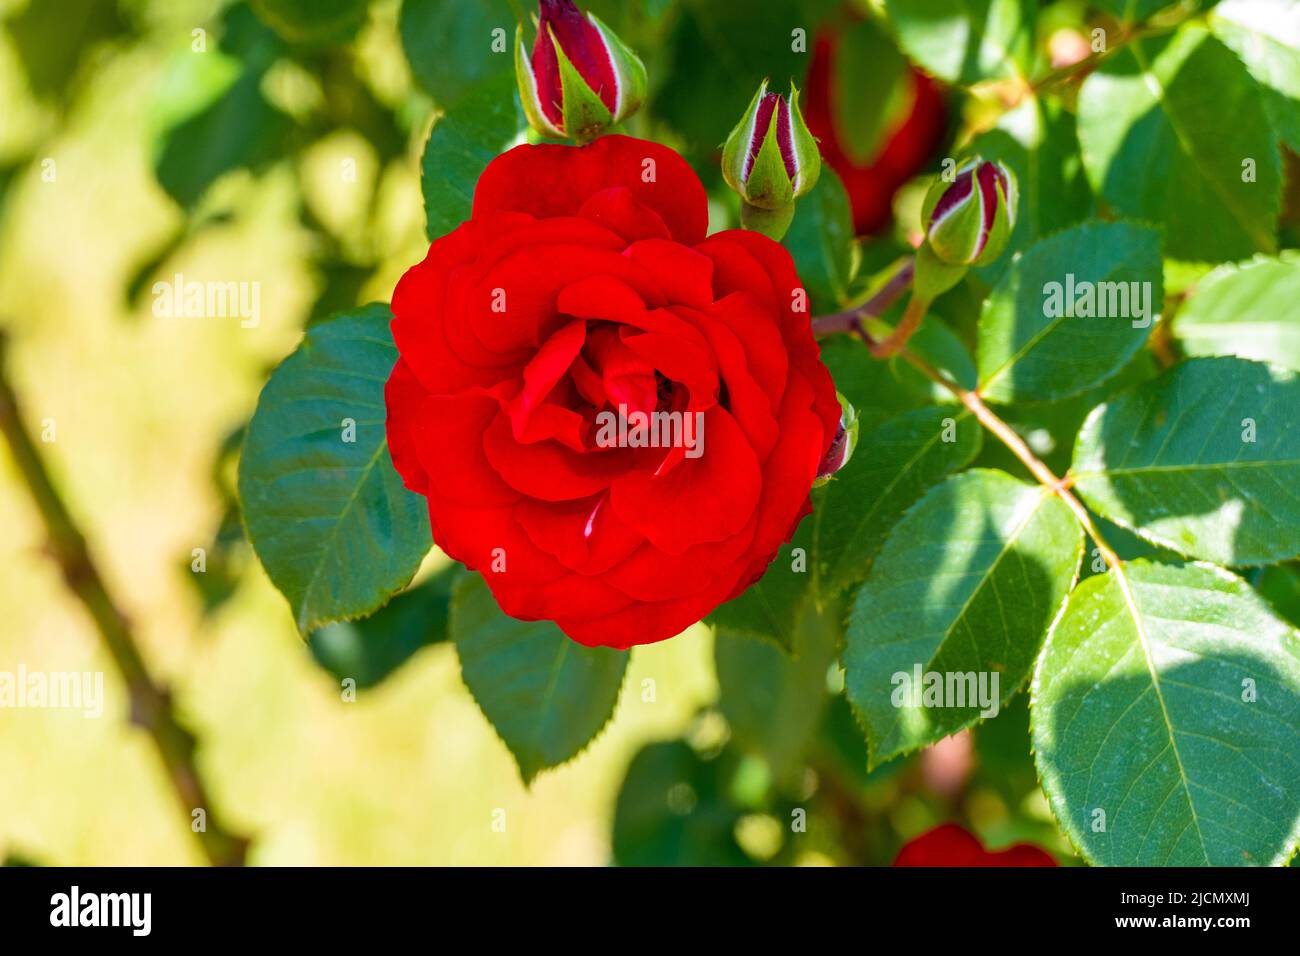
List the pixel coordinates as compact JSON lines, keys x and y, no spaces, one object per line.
{"x":580,"y":79}
{"x":968,"y":221}
{"x":771,"y":158}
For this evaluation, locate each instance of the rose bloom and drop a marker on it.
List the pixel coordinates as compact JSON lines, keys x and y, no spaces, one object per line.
{"x":582,"y":286}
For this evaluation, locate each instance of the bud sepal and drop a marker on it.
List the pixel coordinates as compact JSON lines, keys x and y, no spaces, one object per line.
{"x":770,"y":157}
{"x":931,"y":276}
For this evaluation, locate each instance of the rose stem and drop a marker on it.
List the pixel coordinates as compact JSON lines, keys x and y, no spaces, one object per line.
{"x":150,"y":704}
{"x":850,"y":320}
{"x":902,"y":334}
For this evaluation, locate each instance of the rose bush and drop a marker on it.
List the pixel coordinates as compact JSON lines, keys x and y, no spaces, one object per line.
{"x":1068,"y":495}
{"x":584,"y":283}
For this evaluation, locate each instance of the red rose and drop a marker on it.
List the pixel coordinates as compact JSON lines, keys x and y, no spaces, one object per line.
{"x":583,"y":286}
{"x":950,"y":845}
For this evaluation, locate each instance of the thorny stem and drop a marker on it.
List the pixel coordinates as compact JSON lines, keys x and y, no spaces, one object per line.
{"x":974,"y":403}
{"x":151,"y":704}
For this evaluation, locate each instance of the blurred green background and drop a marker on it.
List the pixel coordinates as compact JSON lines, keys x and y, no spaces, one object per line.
{"x":127,"y":156}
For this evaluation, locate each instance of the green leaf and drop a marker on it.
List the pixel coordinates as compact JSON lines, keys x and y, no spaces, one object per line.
{"x":1204,"y":460}
{"x":939,"y":345}
{"x":468,"y":137}
{"x":893,"y":465}
{"x":452,"y":46}
{"x":1245,"y":309}
{"x":672,"y":810}
{"x":821,"y":241}
{"x":1034,"y":345}
{"x":967,"y":583}
{"x":1038,"y":142}
{"x":370,"y":649}
{"x":1157,"y":146}
{"x":329,"y":518}
{"x":774,"y":701}
{"x":868,"y":63}
{"x":1166,"y":708}
{"x":965,"y":41}
{"x":547,"y":696}
{"x":1266,"y":35}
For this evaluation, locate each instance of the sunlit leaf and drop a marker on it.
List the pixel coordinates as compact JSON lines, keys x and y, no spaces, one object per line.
{"x":1204,"y":460}
{"x":1166,"y":720}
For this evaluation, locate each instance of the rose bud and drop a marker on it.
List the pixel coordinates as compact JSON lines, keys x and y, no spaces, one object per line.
{"x":968,"y":221}
{"x":842,"y":445}
{"x":581,"y":79}
{"x":771,"y":159}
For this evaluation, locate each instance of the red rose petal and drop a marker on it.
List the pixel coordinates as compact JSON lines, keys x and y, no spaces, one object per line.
{"x":683,"y":275}
{"x":543,"y":371}
{"x":447,"y":434}
{"x":420,"y":326}
{"x":709,"y":497}
{"x":584,"y":535}
{"x":626,"y":378}
{"x":646,"y":576}
{"x":617,"y":210}
{"x":548,"y":470}
{"x":638,"y":623}
{"x":548,"y":181}
{"x":403,"y":396}
{"x":512,"y":306}
{"x":747,"y":401}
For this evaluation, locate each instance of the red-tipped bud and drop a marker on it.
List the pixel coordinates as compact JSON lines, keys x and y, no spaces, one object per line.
{"x":969,"y":220}
{"x":579,"y":79}
{"x":846,"y":439}
{"x":770,"y":158}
